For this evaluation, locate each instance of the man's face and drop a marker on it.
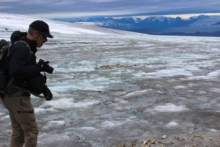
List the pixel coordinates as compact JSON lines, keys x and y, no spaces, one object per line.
{"x":40,"y":39}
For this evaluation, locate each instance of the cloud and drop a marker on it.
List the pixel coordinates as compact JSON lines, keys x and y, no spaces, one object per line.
{"x":82,"y":14}
{"x":102,"y":1}
{"x":4,"y":7}
{"x":50,"y":8}
{"x":8,"y":1}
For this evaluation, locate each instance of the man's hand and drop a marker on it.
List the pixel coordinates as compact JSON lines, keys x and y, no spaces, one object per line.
{"x":47,"y":93}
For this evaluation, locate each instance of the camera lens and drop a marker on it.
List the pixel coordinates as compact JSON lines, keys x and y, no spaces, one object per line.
{"x":50,"y":69}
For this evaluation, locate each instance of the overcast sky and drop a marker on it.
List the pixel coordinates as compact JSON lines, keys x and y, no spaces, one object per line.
{"x":81,"y":8}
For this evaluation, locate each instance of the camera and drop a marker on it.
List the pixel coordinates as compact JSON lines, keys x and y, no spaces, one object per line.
{"x":50,"y":69}
{"x":45,"y":65}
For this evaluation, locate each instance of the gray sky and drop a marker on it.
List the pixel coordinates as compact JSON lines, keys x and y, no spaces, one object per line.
{"x":80,"y":8}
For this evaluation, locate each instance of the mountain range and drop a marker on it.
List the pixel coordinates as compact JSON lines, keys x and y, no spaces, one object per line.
{"x":202,"y":25}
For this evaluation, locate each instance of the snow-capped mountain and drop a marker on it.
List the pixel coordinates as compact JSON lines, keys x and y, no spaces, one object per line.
{"x":201,"y":25}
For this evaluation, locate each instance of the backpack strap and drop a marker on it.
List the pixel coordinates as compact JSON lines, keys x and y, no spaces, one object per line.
{"x":30,"y":51}
{"x":9,"y":48}
{"x":25,"y":90}
{"x":27,"y":45}
{"x":21,"y":41}
{"x":4,"y":48}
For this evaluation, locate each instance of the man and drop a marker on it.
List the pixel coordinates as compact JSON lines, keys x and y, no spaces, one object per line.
{"x":22,"y":66}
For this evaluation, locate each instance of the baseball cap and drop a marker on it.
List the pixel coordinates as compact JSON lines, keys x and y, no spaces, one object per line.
{"x":42,"y":27}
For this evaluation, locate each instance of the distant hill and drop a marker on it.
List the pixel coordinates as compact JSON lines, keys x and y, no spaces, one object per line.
{"x":12,"y":22}
{"x":202,"y":25}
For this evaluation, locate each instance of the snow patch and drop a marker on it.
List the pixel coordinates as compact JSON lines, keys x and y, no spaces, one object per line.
{"x":170,"y":108}
{"x":172,"y":124}
{"x":53,"y":125}
{"x":136,"y":93}
{"x":68,"y":103}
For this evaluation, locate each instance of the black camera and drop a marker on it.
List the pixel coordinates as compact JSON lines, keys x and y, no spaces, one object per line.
{"x":50,"y":69}
{"x":45,"y":66}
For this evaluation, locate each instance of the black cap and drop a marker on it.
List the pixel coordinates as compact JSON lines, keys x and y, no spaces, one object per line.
{"x":42,"y":27}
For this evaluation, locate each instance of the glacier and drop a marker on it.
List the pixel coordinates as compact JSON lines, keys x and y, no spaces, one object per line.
{"x":115,"y":88}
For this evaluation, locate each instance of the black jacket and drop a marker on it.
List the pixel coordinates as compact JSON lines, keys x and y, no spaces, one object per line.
{"x":22,"y":65}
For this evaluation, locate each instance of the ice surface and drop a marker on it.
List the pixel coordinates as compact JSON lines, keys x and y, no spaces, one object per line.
{"x":111,"y":87}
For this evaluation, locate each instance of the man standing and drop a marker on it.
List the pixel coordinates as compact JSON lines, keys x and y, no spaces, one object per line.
{"x":23,"y":66}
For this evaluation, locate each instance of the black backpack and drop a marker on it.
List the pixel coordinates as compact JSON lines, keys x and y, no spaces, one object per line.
{"x":4,"y":55}
{"x":35,"y":86}
{"x":5,"y":47}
